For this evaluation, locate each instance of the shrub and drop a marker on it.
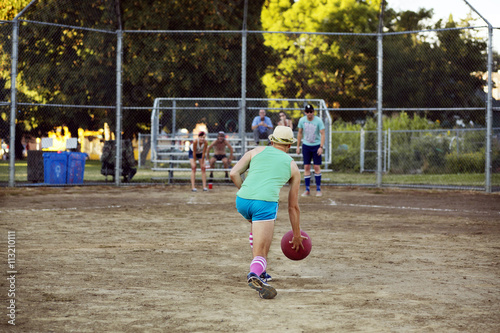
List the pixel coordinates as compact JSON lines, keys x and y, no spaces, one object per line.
{"x":465,"y":162}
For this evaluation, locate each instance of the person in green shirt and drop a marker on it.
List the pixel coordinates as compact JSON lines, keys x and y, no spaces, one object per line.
{"x":269,"y":168}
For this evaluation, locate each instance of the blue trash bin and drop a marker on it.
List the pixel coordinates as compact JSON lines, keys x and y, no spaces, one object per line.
{"x":76,"y":167}
{"x":55,"y":167}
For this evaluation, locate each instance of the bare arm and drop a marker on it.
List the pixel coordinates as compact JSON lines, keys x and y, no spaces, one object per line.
{"x":299,"y":139}
{"x":231,"y":150}
{"x":293,"y":207}
{"x":195,"y":150}
{"x":322,"y":141}
{"x":209,"y":148}
{"x":205,"y":151}
{"x":240,"y":168}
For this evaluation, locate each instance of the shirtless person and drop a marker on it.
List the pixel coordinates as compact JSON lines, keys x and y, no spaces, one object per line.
{"x":219,"y":146}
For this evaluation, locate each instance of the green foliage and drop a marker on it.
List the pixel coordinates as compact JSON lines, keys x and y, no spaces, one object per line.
{"x":9,"y":9}
{"x":429,"y":72}
{"x":337,"y":69}
{"x":465,"y":162}
{"x":417,"y":146}
{"x":77,"y":67}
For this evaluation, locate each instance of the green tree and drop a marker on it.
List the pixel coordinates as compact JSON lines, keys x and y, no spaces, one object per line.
{"x":178,"y":64}
{"x":71,"y":66}
{"x":432,"y":71}
{"x":338,"y":69}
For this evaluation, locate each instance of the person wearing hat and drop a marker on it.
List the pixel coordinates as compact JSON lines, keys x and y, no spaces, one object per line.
{"x":269,"y":168}
{"x":219,"y":147}
{"x":312,"y":131}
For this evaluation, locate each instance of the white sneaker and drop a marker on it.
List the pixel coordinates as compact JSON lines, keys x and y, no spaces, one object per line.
{"x":194,"y":190}
{"x":205,"y":189}
{"x":306,"y":193}
{"x":319,"y":194}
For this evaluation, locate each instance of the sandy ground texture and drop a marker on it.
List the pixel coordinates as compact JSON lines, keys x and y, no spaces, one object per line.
{"x":163,"y":259}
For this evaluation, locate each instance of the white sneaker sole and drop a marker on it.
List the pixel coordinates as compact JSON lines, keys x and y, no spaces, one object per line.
{"x":265,"y":291}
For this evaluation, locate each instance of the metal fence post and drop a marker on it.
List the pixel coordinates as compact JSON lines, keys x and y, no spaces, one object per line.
{"x":489,"y":118}
{"x":13,"y":103}
{"x":361,"y":151}
{"x":118,"y":142}
{"x":388,"y":150}
{"x":379,"y":108}
{"x":243,"y":105}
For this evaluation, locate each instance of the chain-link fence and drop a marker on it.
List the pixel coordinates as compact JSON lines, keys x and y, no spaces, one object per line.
{"x":78,"y":76}
{"x":5,"y":105}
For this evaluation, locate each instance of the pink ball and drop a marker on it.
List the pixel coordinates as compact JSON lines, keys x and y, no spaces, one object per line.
{"x":286,"y":246}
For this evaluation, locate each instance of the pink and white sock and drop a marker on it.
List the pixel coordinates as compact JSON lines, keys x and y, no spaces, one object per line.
{"x":258,"y":265}
{"x":250,"y":239}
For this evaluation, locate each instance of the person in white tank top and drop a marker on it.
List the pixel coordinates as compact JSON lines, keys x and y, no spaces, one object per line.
{"x":197,"y":152}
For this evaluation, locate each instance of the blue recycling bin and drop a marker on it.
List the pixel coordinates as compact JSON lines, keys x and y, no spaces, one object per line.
{"x":76,"y":167}
{"x":55,"y":166}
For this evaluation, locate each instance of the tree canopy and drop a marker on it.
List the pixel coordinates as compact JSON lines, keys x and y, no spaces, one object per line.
{"x":184,"y":54}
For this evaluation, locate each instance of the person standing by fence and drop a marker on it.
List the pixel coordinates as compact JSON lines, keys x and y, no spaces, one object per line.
{"x":197,"y":152}
{"x":312,"y":131}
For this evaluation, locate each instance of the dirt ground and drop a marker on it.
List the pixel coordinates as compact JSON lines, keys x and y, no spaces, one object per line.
{"x":162,"y":259}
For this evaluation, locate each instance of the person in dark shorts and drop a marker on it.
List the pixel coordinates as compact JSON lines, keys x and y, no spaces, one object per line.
{"x":312,"y":136}
{"x":197,"y":152}
{"x":219,"y":147}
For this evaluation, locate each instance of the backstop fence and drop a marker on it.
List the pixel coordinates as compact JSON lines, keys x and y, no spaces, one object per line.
{"x":404,"y":111}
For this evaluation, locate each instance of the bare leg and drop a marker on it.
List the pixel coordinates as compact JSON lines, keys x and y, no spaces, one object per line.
{"x":204,"y":176}
{"x":262,"y":237}
{"x":317,"y":169}
{"x":307,"y":169}
{"x":193,"y":172}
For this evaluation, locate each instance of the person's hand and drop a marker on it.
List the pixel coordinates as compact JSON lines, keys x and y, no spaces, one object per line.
{"x":298,"y":150}
{"x":297,"y":243}
{"x":317,"y":152}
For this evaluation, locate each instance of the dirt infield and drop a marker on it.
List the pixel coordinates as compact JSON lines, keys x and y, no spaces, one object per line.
{"x":161,"y":259}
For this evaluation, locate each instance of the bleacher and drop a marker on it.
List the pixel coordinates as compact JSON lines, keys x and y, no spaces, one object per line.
{"x":171,"y":155}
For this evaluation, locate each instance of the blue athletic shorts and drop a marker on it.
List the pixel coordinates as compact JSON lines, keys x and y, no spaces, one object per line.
{"x":198,"y":155}
{"x":311,"y":152}
{"x":257,"y":210}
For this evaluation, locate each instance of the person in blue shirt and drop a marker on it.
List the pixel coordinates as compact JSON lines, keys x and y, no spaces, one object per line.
{"x":312,"y":136}
{"x":262,"y":127}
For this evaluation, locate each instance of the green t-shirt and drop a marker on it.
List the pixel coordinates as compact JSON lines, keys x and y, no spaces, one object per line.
{"x":269,"y":170}
{"x":311,"y":130}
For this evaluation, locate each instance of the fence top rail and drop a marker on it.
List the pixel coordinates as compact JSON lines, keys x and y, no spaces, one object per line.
{"x":114,"y":32}
{"x":424,"y":130}
{"x":436,"y":109}
{"x":237,"y":99}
